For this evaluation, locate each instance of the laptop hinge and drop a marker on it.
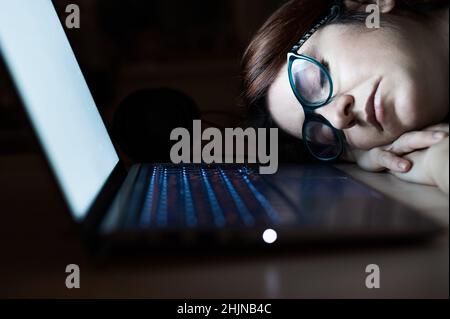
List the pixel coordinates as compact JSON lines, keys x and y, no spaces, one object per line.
{"x":102,"y":203}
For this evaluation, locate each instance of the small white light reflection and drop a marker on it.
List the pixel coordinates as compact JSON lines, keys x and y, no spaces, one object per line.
{"x":269,"y":236}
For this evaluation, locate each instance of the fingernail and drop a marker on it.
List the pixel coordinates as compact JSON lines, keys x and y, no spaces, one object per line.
{"x":439,"y":135}
{"x":403,"y":165}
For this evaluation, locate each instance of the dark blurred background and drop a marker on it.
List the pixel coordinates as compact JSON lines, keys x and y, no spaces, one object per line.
{"x":126,"y":45}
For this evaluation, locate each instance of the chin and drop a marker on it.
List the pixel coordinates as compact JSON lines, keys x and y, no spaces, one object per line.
{"x":411,"y":107}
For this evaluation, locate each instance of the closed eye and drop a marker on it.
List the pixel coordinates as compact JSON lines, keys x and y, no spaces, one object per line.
{"x":323,"y":78}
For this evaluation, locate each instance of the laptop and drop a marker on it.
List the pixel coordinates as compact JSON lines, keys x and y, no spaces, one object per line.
{"x":165,"y":205}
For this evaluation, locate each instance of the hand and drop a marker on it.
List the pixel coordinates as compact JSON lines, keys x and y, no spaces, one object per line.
{"x":392,"y":157}
{"x":430,"y":166}
{"x":418,"y":172}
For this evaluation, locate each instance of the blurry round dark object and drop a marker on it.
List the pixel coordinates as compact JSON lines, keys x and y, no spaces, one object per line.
{"x":144,"y":120}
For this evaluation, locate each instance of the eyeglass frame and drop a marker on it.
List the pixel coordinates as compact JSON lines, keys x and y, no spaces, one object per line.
{"x":309,"y":108}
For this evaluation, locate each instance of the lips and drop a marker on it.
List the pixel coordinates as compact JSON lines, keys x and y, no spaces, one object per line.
{"x":379,"y":110}
{"x":374,"y":109}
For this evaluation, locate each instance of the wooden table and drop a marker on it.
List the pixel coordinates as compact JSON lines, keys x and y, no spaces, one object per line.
{"x":38,"y":240}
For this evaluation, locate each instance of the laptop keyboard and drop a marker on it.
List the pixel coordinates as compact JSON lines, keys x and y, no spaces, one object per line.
{"x":203,"y":196}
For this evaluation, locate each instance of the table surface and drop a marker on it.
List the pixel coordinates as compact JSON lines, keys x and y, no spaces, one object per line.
{"x":38,"y":239}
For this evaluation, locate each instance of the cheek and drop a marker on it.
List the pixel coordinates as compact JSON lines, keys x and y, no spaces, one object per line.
{"x":288,"y":117}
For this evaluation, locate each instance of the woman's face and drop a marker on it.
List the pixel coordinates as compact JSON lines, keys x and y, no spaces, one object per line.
{"x":387,"y":81}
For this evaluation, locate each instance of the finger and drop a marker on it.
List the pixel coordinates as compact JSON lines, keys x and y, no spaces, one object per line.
{"x":413,"y":141}
{"x":367,"y":159}
{"x":393,"y":162}
{"x":443,"y":127}
{"x":377,"y":160}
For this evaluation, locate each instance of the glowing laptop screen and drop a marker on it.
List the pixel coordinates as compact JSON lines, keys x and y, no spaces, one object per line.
{"x":54,"y":92}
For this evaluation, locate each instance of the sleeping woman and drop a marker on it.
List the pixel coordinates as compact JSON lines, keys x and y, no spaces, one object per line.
{"x":375,"y":96}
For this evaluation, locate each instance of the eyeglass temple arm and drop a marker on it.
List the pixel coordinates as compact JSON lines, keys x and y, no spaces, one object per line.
{"x":334,"y":12}
{"x":295,"y":48}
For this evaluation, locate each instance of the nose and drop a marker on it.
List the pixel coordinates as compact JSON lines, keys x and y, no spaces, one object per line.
{"x":340,"y":112}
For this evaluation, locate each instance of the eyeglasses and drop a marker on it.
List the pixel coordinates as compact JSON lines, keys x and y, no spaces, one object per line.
{"x":313,"y":87}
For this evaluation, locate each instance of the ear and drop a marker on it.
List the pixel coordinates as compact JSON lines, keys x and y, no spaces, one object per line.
{"x":386,"y":6}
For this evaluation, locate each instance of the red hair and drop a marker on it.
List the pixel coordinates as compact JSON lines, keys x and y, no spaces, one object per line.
{"x":266,"y":54}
